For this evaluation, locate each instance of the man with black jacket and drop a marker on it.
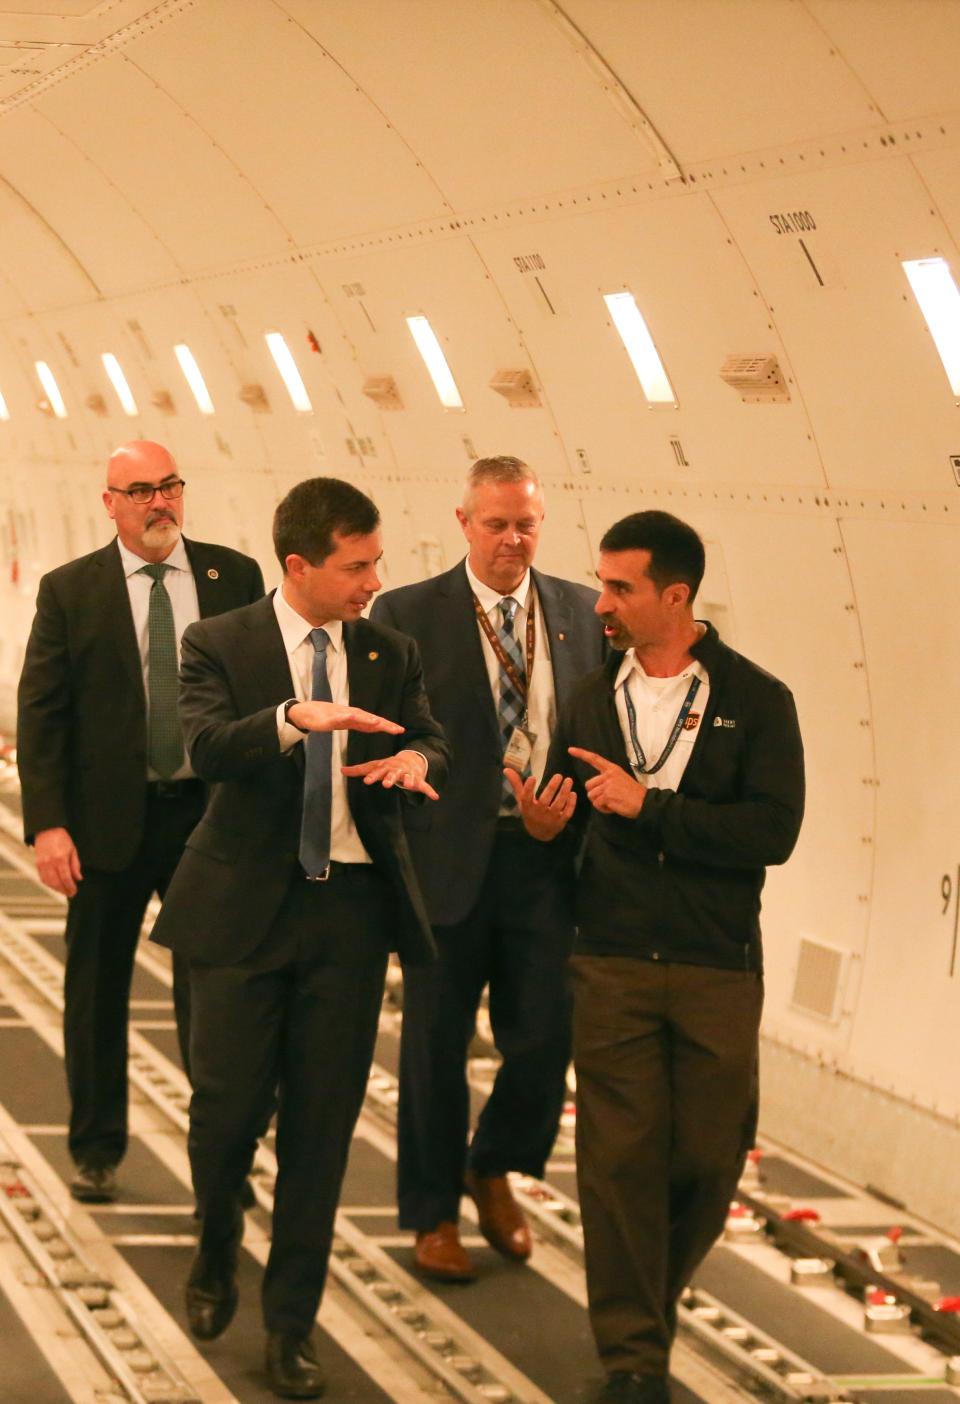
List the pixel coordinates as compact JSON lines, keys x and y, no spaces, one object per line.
{"x":686,"y":762}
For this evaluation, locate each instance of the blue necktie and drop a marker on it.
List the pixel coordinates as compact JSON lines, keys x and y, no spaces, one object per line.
{"x":318,"y":756}
{"x":165,"y":749}
{"x":512,"y":705}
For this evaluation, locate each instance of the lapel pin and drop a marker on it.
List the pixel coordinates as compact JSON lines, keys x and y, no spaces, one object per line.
{"x":373,"y":655}
{"x":213,"y":574}
{"x":561,"y":637}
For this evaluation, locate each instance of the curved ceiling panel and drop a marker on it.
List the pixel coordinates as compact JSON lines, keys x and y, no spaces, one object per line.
{"x":38,"y":267}
{"x":763,"y":74}
{"x":325,"y":160}
{"x":876,"y":36}
{"x":106,"y":234}
{"x":189,"y":193}
{"x":491,"y":95}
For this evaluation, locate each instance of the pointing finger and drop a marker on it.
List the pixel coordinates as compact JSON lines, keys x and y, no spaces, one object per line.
{"x":598,"y":762}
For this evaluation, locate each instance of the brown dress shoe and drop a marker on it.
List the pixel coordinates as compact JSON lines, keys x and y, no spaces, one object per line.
{"x":501,"y":1218}
{"x":439,"y":1253}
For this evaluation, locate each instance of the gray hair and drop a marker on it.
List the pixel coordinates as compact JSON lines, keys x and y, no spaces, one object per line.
{"x":501,"y":469}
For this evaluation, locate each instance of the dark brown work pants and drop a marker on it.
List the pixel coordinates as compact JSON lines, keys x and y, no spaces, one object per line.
{"x":666,"y":1063}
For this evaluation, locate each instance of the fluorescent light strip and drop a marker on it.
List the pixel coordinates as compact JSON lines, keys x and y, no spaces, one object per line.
{"x":640,"y":348}
{"x":194,"y":379}
{"x":435,"y":362}
{"x":4,"y":412}
{"x":119,"y":382}
{"x":939,"y":298}
{"x":287,"y":367}
{"x":51,"y":388}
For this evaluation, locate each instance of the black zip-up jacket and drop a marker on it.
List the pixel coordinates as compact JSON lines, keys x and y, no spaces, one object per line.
{"x":682,"y":881}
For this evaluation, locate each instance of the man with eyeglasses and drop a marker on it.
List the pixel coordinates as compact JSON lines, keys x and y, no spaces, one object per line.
{"x":108,"y":794}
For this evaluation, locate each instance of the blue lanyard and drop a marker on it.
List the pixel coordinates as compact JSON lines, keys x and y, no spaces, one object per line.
{"x":640,"y":765}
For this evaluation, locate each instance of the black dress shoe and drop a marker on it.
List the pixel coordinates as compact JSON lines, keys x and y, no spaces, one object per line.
{"x":94,"y":1184}
{"x":211,"y":1292}
{"x":210,"y":1307}
{"x":293,"y":1369}
{"x":625,"y":1387}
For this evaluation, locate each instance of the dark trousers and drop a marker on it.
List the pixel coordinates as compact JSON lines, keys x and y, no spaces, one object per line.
{"x":666,"y":1063}
{"x":297,"y":1020}
{"x":517,"y":940}
{"x":103,"y":928}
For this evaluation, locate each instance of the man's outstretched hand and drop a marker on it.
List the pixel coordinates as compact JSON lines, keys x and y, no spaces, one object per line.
{"x":332,"y":716}
{"x":545,"y":817}
{"x":407,"y":770}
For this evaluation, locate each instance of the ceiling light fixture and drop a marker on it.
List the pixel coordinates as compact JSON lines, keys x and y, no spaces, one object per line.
{"x":194,"y":379}
{"x":644,"y":357}
{"x":287,"y":367}
{"x":119,"y":382}
{"x":51,"y":389}
{"x":939,"y":298}
{"x":435,"y":362}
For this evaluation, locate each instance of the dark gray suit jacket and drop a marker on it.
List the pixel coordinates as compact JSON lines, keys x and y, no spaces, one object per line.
{"x":452,"y":840}
{"x":81,"y":710}
{"x":239,"y":861}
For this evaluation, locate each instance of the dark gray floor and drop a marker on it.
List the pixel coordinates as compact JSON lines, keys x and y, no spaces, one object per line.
{"x":26,"y":1377}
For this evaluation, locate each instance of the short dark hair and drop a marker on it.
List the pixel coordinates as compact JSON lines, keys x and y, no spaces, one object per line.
{"x":306,"y":520}
{"x":676,"y":551}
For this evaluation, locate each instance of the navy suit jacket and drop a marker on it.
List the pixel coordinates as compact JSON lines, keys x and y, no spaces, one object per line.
{"x":451,"y":841}
{"x":239,"y":861}
{"x":81,"y":709}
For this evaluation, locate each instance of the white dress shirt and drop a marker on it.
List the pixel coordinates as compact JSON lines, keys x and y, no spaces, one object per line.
{"x":182,"y":589}
{"x":541,"y":697}
{"x":345,"y":842}
{"x":657,"y":703}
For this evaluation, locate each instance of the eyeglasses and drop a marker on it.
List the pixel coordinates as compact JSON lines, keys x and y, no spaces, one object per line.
{"x":143,"y":493}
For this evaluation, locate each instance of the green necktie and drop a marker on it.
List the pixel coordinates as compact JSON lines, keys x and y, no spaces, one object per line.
{"x":165,"y":750}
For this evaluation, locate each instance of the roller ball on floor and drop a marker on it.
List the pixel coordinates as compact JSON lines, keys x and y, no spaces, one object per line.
{"x":94,"y":1184}
{"x":440,"y":1254}
{"x":293,"y":1370}
{"x":502,"y":1222}
{"x":625,"y":1387}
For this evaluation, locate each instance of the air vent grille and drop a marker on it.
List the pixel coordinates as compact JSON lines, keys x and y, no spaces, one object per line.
{"x":817,"y":987}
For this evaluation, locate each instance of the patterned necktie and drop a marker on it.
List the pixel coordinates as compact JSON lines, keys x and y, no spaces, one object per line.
{"x":165,"y":750}
{"x":512,"y":705}
{"x":318,"y":769}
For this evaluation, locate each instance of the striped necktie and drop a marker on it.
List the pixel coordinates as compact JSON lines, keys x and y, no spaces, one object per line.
{"x":318,"y":770}
{"x":512,"y":705}
{"x":165,"y":748}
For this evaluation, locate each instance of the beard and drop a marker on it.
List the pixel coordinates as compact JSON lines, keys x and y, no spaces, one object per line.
{"x":162,"y":531}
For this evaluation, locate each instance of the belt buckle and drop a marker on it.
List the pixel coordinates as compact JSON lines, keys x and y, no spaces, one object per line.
{"x":320,"y":877}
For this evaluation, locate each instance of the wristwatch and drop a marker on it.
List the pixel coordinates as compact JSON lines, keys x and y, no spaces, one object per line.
{"x":286,"y":716}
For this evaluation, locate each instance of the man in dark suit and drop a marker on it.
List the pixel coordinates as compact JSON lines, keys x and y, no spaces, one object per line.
{"x":684,"y":762}
{"x":291,"y":893}
{"x":502,"y":646}
{"x":108,"y":794}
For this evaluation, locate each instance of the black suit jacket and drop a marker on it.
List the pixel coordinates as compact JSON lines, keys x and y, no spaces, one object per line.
{"x":239,"y":861}
{"x":81,"y":710}
{"x":451,"y":842}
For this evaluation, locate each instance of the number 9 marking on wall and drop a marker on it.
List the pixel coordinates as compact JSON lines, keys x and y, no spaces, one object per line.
{"x":950,"y":891}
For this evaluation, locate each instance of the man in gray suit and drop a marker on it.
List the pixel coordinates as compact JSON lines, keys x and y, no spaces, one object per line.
{"x":108,"y":794}
{"x":502,"y":646}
